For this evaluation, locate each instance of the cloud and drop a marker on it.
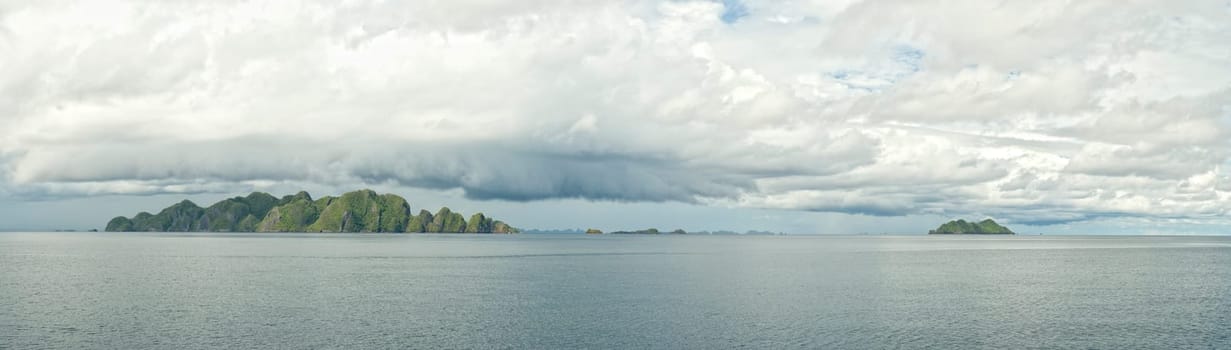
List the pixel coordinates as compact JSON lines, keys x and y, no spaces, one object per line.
{"x":1050,"y":112}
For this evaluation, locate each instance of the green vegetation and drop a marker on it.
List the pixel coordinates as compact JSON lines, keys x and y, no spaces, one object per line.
{"x":121,"y":224}
{"x":358,"y":211}
{"x":239,"y":214}
{"x":361,"y":211}
{"x":479,"y":223}
{"x":293,"y":214}
{"x":181,"y":217}
{"x":419,"y":223}
{"x":962,"y":227}
{"x":501,"y":227}
{"x":446,"y":221}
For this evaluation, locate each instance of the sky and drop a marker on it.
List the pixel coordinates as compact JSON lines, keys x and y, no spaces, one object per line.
{"x":837,"y":116}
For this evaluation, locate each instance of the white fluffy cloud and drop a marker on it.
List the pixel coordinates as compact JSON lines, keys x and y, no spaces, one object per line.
{"x":1041,"y":112}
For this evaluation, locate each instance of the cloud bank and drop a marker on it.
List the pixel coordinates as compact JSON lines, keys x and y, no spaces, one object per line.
{"x":1042,"y":112}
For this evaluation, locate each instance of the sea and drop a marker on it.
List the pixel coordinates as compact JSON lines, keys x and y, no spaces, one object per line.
{"x":423,"y":291}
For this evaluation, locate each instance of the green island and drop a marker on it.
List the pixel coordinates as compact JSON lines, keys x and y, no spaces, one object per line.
{"x":963,"y":227}
{"x":357,"y":211}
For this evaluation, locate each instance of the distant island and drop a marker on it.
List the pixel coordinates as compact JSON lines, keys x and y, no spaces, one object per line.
{"x":962,"y":227}
{"x":649,"y":231}
{"x":357,"y":211}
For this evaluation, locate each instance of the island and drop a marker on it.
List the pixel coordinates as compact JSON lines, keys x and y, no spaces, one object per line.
{"x":962,"y":227}
{"x":357,"y":211}
{"x":649,"y":231}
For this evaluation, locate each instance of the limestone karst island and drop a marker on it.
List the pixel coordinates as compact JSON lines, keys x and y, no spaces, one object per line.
{"x":358,"y":211}
{"x":962,"y":227}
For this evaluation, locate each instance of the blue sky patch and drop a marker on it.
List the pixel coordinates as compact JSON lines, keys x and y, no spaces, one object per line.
{"x":909,"y":56}
{"x":905,"y":60}
{"x":733,"y":11}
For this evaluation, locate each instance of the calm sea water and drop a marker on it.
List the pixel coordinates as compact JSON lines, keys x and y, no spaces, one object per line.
{"x":98,"y":290}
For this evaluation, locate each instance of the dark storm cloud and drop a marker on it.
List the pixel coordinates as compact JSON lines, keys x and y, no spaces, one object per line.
{"x":1093,"y":110}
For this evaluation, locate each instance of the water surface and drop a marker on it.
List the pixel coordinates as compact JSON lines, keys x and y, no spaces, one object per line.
{"x":108,"y":290}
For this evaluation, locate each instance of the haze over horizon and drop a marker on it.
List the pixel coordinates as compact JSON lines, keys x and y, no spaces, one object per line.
{"x":803,"y":116}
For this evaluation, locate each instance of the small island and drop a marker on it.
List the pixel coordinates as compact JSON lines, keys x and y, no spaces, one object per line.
{"x":649,"y":231}
{"x":962,"y":227}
